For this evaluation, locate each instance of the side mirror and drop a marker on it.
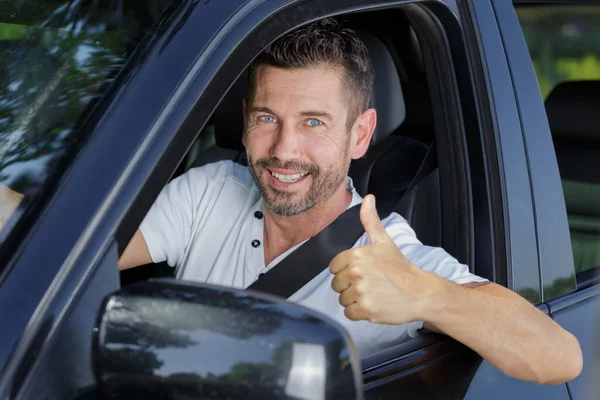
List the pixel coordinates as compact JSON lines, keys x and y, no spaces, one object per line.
{"x":169,"y":339}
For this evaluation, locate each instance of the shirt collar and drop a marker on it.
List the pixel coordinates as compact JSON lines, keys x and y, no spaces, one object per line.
{"x":356,"y":198}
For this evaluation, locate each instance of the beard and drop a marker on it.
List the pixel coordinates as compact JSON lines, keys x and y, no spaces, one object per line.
{"x":323,"y":185}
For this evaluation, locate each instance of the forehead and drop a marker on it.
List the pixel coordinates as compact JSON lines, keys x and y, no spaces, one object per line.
{"x":314,"y":87}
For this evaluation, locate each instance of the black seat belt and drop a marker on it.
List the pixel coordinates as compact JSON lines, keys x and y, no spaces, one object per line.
{"x":311,"y":258}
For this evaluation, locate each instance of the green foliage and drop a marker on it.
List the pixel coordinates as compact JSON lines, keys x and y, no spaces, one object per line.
{"x":11,"y":31}
{"x":563,"y":41}
{"x":585,"y":68}
{"x":565,"y":69}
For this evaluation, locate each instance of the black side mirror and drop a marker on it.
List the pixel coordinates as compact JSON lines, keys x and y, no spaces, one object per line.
{"x":169,"y":339}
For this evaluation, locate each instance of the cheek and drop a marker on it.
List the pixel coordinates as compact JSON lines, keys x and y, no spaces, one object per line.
{"x":325,"y":150}
{"x":257,"y":139}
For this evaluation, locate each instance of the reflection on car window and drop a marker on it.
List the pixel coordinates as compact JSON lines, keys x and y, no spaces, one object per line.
{"x":564,"y":43}
{"x":57,"y":58}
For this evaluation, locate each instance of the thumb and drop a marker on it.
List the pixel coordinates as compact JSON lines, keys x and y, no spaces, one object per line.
{"x":371,"y":222}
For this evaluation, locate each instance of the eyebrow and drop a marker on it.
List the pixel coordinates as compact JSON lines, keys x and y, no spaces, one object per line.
{"x":261,"y":109}
{"x":315,"y":113}
{"x":306,"y":113}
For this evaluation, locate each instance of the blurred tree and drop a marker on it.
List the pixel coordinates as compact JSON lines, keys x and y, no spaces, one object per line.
{"x":563,"y":41}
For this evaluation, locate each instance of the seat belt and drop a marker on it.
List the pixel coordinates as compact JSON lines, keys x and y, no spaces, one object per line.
{"x":315,"y":255}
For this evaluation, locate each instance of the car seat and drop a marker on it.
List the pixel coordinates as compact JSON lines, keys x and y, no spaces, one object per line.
{"x":572,"y":109}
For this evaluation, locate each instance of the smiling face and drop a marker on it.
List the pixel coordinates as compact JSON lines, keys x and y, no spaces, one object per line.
{"x":297,"y":139}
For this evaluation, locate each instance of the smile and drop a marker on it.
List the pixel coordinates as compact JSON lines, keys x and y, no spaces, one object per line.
{"x":291,"y":178}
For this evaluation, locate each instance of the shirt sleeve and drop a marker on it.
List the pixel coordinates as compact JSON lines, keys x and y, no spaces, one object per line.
{"x":167,"y":225}
{"x":431,"y":259}
{"x":167,"y":228}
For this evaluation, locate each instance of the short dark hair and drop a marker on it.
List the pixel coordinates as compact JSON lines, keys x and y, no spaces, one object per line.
{"x":324,"y":42}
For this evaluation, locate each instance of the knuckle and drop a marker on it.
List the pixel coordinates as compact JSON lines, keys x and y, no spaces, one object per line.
{"x":334,"y":266}
{"x":360,"y":289}
{"x":355,"y":272}
{"x":358,"y":253}
{"x":365,"y":306}
{"x":335,"y":284}
{"x":349,"y":314}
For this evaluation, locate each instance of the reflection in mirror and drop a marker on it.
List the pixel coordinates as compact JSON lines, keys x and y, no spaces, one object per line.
{"x":166,"y":339}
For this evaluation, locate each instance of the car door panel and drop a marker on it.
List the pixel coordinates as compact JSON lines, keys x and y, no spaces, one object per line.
{"x":522,"y":267}
{"x":63,"y":367}
{"x":578,"y":313}
{"x":447,"y":369}
{"x":447,"y":376}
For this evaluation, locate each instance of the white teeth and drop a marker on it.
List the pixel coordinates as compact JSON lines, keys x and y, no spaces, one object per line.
{"x":288,"y":178}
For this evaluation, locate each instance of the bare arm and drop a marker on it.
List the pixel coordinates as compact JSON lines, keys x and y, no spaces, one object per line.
{"x":136,"y":253}
{"x":379,"y":284}
{"x":507,"y":331}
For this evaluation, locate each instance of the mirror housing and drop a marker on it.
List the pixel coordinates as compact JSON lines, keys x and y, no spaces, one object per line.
{"x":175,"y":339}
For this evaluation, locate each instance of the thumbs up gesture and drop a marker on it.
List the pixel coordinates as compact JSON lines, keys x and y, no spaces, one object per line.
{"x":377,"y":282}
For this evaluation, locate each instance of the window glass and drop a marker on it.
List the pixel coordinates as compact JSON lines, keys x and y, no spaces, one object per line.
{"x":57,"y":58}
{"x":564,"y":43}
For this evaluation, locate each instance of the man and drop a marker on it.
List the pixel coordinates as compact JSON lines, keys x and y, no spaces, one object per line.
{"x":305,"y":118}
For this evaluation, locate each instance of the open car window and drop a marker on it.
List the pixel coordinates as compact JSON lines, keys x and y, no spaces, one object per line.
{"x":57,"y":59}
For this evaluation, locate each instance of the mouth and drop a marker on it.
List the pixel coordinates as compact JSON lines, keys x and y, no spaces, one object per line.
{"x":286,"y":179}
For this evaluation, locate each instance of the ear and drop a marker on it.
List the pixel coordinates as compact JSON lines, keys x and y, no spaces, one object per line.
{"x":245,"y":118}
{"x":363,"y":131}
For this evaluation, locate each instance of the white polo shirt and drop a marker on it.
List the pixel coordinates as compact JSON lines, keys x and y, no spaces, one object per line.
{"x":208,"y":223}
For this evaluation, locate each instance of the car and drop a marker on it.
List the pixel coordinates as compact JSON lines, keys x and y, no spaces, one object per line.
{"x":103,"y":103}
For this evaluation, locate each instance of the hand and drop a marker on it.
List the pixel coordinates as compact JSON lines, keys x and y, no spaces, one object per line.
{"x":9,"y":201}
{"x":377,"y":282}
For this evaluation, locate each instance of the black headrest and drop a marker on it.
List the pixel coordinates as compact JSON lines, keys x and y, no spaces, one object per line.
{"x":387,"y":99}
{"x":573,"y":109}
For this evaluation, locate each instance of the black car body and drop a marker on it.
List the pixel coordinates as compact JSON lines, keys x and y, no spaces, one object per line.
{"x":501,"y":208}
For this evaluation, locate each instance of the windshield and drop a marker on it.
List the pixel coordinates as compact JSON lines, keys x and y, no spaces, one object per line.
{"x":57,"y":58}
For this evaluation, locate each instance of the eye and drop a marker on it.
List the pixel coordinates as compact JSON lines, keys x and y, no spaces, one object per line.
{"x":314,"y":122}
{"x":267,"y":118}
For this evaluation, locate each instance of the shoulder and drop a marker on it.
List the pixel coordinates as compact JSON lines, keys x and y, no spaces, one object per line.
{"x":218,"y":174}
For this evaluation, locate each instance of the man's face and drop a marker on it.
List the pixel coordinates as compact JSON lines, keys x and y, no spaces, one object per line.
{"x":297,"y":139}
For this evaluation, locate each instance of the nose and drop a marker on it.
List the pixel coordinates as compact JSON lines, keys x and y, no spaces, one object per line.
{"x":287,"y":143}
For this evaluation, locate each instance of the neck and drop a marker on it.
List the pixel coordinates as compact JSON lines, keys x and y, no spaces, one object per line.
{"x":282,"y":233}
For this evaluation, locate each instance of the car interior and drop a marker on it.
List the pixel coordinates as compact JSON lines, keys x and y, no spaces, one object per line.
{"x":401,"y":139}
{"x":572,"y":109}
